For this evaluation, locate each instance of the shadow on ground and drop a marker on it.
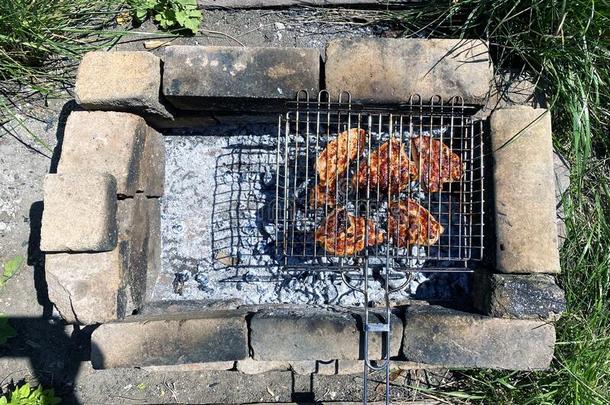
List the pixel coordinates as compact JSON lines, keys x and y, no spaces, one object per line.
{"x":53,"y":349}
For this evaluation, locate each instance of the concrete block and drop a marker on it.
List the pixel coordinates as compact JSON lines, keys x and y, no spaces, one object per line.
{"x":250,"y":366}
{"x":311,"y":334}
{"x":526,"y":231}
{"x":100,"y":141}
{"x":196,"y":77}
{"x":454,"y":339}
{"x":120,"y":81}
{"x":170,"y":339}
{"x":85,"y":286}
{"x":152,"y":165}
{"x":521,"y":296}
{"x":385,"y":70}
{"x":137,"y":218}
{"x":79,"y":213}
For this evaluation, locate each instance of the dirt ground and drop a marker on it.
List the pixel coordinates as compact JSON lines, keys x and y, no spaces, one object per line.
{"x":46,"y":350}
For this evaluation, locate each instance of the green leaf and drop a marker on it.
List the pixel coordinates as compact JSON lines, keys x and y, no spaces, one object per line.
{"x":24,"y":390}
{"x":3,"y":400}
{"x":10,"y":268}
{"x":6,"y":330}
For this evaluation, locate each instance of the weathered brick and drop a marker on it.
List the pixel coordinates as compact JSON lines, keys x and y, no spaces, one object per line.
{"x":84,"y":287}
{"x":100,"y":141}
{"x":196,"y":77}
{"x":522,"y":296}
{"x":89,"y":288}
{"x":170,"y":339}
{"x":79,"y":213}
{"x":152,"y":165}
{"x":391,"y":70}
{"x":137,"y":219}
{"x":120,"y":81}
{"x":311,"y":334}
{"x":250,"y":366}
{"x":526,"y":232}
{"x":454,"y":339}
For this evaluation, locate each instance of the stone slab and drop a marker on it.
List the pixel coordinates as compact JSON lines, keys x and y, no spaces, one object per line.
{"x":385,"y":70}
{"x":152,"y":165}
{"x":153,"y":254}
{"x":170,"y":339}
{"x":79,"y":213}
{"x":100,"y":141}
{"x":520,"y":296}
{"x":525,"y":214}
{"x":84,"y":287}
{"x":245,"y":4}
{"x":311,"y":334}
{"x":120,"y":81}
{"x":250,"y":366}
{"x":562,"y":184}
{"x":138,"y":228}
{"x":454,"y":339}
{"x":197,"y":77}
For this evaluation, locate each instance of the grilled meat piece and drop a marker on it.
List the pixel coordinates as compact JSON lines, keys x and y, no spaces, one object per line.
{"x":411,"y":224}
{"x":321,"y":197}
{"x":335,"y":158}
{"x":436,"y":163}
{"x":390,"y":167}
{"x":343,"y":234}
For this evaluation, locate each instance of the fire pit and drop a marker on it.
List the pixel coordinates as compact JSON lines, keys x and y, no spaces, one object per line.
{"x":287,"y":229}
{"x":254,"y":230}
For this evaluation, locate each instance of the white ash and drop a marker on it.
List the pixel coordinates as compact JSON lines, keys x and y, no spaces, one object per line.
{"x":218,"y":231}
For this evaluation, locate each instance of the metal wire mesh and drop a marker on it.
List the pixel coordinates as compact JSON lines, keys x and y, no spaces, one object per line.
{"x":362,"y":212}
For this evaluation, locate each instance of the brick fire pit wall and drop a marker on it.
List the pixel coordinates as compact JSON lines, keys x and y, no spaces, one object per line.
{"x":101,"y":221}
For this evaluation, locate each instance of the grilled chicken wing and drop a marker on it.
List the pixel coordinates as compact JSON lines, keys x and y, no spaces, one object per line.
{"x":335,"y":158}
{"x":411,"y":224}
{"x":436,"y":163}
{"x":390,"y":168}
{"x":343,"y":234}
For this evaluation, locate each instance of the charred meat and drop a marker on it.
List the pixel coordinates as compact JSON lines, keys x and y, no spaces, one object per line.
{"x":436,"y":163}
{"x":334,"y":160}
{"x":389,"y":169}
{"x":411,"y":224}
{"x":343,"y":234}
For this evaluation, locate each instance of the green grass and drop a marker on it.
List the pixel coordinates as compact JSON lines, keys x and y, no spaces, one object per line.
{"x":38,"y":39}
{"x":564,"y":45}
{"x":41,"y":42}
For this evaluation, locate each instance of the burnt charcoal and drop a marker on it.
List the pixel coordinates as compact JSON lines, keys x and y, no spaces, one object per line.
{"x":179,"y":280}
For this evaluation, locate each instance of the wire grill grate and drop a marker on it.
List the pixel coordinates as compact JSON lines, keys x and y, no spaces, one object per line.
{"x":309,"y":126}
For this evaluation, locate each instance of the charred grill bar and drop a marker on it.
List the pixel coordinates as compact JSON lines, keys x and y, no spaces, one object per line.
{"x":363,"y":200}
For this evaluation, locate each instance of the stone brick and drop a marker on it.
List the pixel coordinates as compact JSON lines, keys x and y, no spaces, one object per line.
{"x":191,"y":367}
{"x":250,"y":366}
{"x":84,"y":287}
{"x":152,"y":165}
{"x":89,"y":288}
{"x":311,"y":334}
{"x":229,"y":4}
{"x":135,"y":217}
{"x":196,"y":77}
{"x":120,"y":81}
{"x":526,"y":232}
{"x":454,"y":339}
{"x":79,"y":213}
{"x":391,"y":70}
{"x":100,"y":141}
{"x":562,"y":184}
{"x":170,"y":339}
{"x":522,"y":296}
{"x":153,"y":254}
